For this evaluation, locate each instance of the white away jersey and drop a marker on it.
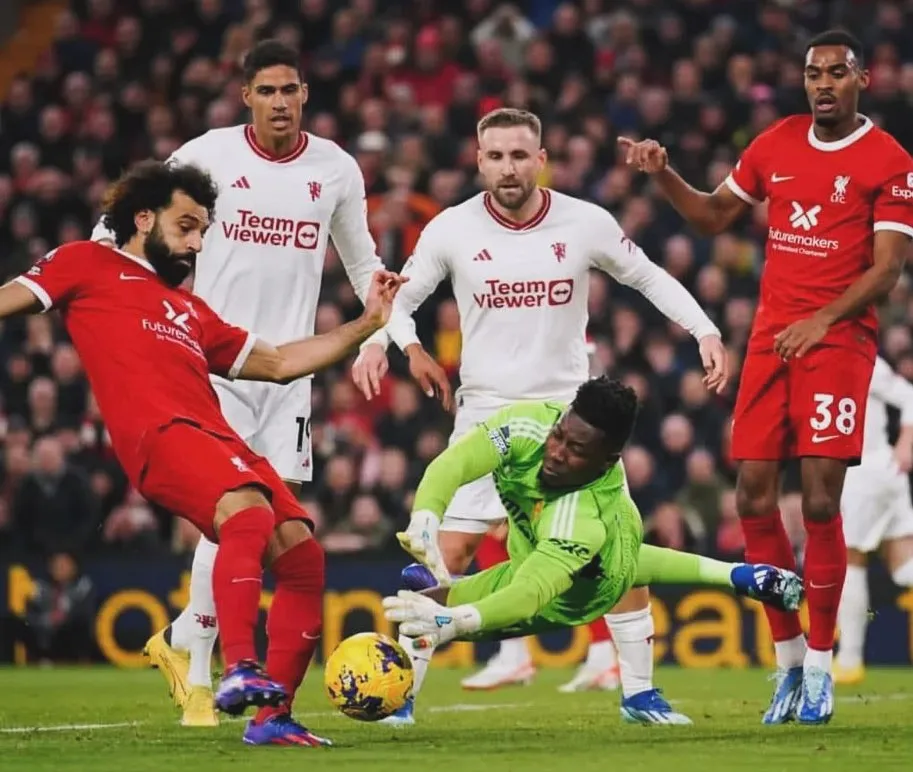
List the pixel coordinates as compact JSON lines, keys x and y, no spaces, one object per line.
{"x":887,"y":388}
{"x":263,"y":256}
{"x":522,"y":292}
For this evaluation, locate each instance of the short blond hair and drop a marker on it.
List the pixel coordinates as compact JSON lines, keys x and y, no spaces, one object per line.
{"x":505,"y":117}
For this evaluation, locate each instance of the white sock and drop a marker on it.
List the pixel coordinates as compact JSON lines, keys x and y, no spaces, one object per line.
{"x":822,"y":659}
{"x":601,"y":656}
{"x":903,"y":576}
{"x":633,"y":636}
{"x":195,"y":630}
{"x":790,"y":653}
{"x":514,"y":651}
{"x":420,"y":660}
{"x":852,"y":617}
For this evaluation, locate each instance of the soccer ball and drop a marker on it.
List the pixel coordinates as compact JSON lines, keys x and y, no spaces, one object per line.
{"x":368,"y":677}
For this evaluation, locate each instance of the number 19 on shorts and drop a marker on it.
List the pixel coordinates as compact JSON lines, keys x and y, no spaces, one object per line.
{"x":834,"y":417}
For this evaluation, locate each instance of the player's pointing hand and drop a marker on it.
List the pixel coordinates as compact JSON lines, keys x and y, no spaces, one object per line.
{"x":647,"y":155}
{"x":381,"y":293}
{"x":716,"y":363}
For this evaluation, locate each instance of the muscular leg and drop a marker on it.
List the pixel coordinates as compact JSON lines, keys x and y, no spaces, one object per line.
{"x":294,"y":622}
{"x":825,"y":553}
{"x":757,"y":492}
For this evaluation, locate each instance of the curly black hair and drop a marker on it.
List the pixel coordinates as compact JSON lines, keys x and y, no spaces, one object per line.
{"x":838,"y":37}
{"x":609,"y":406}
{"x":151,"y":185}
{"x":268,"y":53}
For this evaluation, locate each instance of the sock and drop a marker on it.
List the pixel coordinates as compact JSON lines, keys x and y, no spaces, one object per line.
{"x":633,"y":635}
{"x":791,"y":652}
{"x":658,"y":565}
{"x":766,"y":542}
{"x":295,"y":618}
{"x":822,"y":659}
{"x":195,"y":630}
{"x":902,"y":575}
{"x":514,"y":651}
{"x":237,"y":578}
{"x":825,"y":570}
{"x":852,"y":617}
{"x":421,"y":659}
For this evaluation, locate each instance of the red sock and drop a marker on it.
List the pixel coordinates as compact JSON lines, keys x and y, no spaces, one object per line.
{"x":294,"y":622}
{"x":237,"y":578}
{"x":491,"y":552}
{"x":599,"y":631}
{"x":825,"y":570}
{"x":766,"y":542}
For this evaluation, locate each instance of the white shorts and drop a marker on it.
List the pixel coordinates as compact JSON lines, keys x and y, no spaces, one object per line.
{"x":274,"y":420}
{"x":876,"y":506}
{"x":475,"y":507}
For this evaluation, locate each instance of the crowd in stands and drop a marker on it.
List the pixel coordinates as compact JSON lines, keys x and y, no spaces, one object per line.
{"x":401,"y":85}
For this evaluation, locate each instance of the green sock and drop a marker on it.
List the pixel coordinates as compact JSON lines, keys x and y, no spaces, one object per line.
{"x":657,"y":565}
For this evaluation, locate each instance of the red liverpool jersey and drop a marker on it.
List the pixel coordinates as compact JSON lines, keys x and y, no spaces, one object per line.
{"x":825,"y":201}
{"x":147,"y":348}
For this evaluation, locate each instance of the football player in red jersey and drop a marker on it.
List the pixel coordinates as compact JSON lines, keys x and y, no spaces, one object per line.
{"x":839,"y":192}
{"x":148,"y":347}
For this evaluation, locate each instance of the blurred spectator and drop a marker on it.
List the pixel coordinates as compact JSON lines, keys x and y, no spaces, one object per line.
{"x":59,"y":615}
{"x":53,"y":508}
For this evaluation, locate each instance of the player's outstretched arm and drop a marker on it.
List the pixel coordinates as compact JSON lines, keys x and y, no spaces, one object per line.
{"x":890,"y":252}
{"x":290,"y":361}
{"x":473,"y":456}
{"x":709,"y":213}
{"x":17,"y":298}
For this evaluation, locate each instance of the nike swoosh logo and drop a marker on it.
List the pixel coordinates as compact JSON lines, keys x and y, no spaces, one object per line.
{"x":128,"y":277}
{"x":817,"y":438}
{"x":310,"y":637}
{"x":778,"y":178}
{"x":821,"y":586}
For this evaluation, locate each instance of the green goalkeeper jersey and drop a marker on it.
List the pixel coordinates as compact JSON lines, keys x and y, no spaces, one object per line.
{"x":573,"y":552}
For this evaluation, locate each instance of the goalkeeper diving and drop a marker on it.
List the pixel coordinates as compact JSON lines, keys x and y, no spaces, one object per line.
{"x":575,"y":533}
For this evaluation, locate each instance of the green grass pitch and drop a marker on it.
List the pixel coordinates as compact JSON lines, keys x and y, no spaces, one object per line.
{"x":102,"y":719}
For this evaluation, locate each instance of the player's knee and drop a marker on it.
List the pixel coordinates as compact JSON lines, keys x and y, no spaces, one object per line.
{"x":458,"y":549}
{"x":286,"y":536}
{"x":239,"y":500}
{"x":820,"y":506}
{"x":756,"y":490}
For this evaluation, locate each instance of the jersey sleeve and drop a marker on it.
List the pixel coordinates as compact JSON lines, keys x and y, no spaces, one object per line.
{"x":426,"y":268}
{"x":570,"y":535}
{"x":508,"y":436}
{"x":58,"y":277}
{"x":893,"y":210}
{"x":226,"y":347}
{"x":613,"y":252}
{"x":746,"y":180}
{"x":358,"y":252}
{"x":893,"y":389}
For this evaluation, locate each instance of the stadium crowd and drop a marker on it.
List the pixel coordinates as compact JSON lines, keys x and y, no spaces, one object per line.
{"x":401,"y":86}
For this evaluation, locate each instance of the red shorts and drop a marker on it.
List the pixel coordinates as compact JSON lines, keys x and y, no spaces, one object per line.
{"x":187,"y":470}
{"x":813,"y":406}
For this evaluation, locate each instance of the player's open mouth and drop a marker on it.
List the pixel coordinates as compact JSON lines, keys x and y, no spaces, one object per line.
{"x":825,"y":104}
{"x":280,"y":121}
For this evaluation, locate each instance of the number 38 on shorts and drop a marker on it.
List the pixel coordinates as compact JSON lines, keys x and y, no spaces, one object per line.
{"x":814,"y":406}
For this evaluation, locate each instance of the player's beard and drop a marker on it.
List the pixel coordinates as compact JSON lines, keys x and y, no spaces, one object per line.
{"x":514,"y":198}
{"x":172,"y":267}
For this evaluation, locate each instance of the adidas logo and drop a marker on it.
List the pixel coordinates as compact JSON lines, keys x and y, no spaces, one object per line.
{"x":483,"y":256}
{"x":242,"y":183}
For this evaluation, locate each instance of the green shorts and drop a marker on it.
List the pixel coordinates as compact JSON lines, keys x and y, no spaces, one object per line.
{"x":555,"y":616}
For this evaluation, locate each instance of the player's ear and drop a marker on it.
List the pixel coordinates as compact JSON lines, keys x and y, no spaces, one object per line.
{"x":144,"y":221}
{"x":305,"y":93}
{"x":865,"y":77}
{"x":245,"y":94}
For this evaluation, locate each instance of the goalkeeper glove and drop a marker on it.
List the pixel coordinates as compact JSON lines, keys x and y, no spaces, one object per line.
{"x":431,"y":623}
{"x":420,"y":540}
